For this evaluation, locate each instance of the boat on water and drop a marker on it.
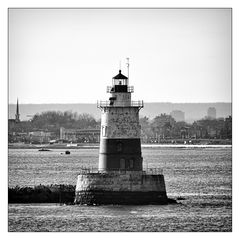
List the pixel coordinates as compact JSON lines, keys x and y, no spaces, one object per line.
{"x":44,"y":150}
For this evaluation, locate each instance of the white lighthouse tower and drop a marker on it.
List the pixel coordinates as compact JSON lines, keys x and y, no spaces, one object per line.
{"x":120,"y":146}
{"x":120,"y":177}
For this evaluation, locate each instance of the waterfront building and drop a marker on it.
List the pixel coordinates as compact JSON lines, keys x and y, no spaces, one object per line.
{"x":211,"y":113}
{"x":80,"y":135}
{"x":178,"y":115}
{"x":39,"y":136}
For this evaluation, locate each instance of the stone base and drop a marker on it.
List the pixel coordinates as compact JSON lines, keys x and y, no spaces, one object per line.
{"x":122,"y":198}
{"x":129,"y":187}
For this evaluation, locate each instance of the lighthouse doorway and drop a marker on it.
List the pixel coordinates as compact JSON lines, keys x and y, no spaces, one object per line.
{"x":122,"y":163}
{"x":127,"y":164}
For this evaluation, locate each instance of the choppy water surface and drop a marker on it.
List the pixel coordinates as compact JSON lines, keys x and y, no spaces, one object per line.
{"x":202,"y":176}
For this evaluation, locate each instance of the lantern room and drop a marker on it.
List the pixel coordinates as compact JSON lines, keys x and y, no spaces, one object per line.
{"x":119,"y":83}
{"x":120,"y":79}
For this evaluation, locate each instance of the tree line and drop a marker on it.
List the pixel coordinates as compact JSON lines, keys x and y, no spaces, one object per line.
{"x":161,"y":127}
{"x":52,"y":121}
{"x":164,"y":127}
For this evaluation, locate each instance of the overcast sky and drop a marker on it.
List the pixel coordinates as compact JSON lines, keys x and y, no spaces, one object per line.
{"x":71,"y":55}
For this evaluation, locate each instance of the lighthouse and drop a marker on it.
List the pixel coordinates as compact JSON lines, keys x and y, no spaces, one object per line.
{"x":120,"y":177}
{"x":120,"y":145}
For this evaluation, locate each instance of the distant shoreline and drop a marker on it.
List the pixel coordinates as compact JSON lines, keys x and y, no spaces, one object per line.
{"x":96,"y":146}
{"x":193,"y":111}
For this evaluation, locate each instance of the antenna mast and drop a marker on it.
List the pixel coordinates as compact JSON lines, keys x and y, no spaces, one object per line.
{"x":128,"y":67}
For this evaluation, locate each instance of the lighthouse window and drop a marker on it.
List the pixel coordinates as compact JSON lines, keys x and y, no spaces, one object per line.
{"x":119,"y":147}
{"x":104,"y":131}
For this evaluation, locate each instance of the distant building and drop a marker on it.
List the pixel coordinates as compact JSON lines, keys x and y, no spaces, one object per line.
{"x":39,"y":136}
{"x":12,"y":121}
{"x":184,"y":132}
{"x":211,"y":113}
{"x":17,"y":115}
{"x":178,"y":115}
{"x":80,"y":135}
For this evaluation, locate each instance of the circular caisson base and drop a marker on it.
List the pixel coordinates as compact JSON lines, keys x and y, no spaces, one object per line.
{"x":92,"y":197}
{"x":117,"y":187}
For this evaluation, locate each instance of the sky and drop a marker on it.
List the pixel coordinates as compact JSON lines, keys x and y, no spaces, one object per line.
{"x":71,"y":55}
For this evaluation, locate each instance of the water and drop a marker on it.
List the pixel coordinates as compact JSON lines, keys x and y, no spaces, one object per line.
{"x":202,"y":176}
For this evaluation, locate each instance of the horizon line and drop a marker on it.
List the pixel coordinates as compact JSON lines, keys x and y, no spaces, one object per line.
{"x":96,"y":102}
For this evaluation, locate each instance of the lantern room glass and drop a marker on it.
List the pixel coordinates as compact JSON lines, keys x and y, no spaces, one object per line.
{"x":119,"y":82}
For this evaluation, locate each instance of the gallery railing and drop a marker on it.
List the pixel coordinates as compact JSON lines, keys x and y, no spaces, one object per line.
{"x":101,"y":104}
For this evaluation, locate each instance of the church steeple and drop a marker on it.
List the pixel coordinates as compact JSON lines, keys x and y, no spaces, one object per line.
{"x":17,"y":115}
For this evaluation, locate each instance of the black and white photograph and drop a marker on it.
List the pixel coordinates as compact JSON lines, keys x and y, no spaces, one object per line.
{"x":119,"y":120}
